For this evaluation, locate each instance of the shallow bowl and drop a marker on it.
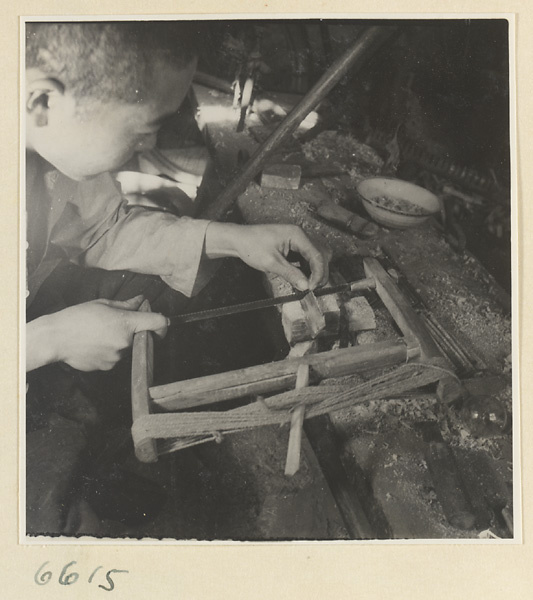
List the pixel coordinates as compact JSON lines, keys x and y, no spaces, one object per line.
{"x":397,"y":203}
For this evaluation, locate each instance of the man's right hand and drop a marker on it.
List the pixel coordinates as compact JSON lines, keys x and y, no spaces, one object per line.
{"x":91,"y":336}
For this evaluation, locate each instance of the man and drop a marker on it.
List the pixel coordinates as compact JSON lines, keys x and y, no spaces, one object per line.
{"x":96,"y":94}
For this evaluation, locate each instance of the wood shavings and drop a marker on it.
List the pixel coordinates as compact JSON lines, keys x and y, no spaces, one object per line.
{"x":344,"y":151}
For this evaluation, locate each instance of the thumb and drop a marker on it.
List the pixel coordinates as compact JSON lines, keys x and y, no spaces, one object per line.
{"x":147,"y":321}
{"x":293,"y":275}
{"x":131,"y":304}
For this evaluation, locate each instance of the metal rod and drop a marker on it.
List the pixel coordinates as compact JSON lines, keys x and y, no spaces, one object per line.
{"x":369,"y":40}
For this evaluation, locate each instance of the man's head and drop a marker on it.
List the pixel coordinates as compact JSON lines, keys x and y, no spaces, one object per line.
{"x":96,"y":93}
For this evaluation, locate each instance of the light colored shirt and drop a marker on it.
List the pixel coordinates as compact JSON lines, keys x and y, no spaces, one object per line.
{"x":89,"y":223}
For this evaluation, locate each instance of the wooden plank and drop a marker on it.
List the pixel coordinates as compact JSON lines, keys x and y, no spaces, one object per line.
{"x":401,"y":310}
{"x":281,"y":176}
{"x":142,"y":368}
{"x":297,"y":420}
{"x":276,"y":376}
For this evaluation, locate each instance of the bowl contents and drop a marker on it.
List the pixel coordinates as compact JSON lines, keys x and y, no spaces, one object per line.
{"x":399,"y":205}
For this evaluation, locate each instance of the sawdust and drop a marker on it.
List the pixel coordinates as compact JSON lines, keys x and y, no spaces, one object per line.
{"x":345,"y":152}
{"x":461,"y":294}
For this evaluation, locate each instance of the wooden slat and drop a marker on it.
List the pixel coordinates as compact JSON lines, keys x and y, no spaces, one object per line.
{"x":142,"y":369}
{"x":276,"y":376}
{"x":297,"y":420}
{"x":401,"y":310}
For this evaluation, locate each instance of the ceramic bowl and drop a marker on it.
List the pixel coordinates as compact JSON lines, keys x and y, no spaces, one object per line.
{"x":397,"y":203}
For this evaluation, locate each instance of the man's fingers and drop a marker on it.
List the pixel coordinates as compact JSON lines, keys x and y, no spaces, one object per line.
{"x":130,"y":304}
{"x":146,"y":321}
{"x":317,"y":255}
{"x":292,"y":274}
{"x":319,"y":271}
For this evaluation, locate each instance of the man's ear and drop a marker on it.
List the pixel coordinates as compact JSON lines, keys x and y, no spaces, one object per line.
{"x":41,"y":95}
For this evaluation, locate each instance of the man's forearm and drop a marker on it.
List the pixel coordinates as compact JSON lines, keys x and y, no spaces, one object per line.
{"x":39,"y":347}
{"x":220,"y":239}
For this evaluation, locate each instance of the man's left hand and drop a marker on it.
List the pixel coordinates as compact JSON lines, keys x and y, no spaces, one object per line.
{"x":266,"y":247}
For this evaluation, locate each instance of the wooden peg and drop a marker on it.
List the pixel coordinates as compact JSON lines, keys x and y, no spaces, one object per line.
{"x":297,"y":420}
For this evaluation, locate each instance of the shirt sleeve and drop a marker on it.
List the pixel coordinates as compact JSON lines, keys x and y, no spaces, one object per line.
{"x":99,"y":230}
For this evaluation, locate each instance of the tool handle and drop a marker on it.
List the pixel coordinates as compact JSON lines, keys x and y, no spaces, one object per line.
{"x":341,"y":216}
{"x":142,"y":372}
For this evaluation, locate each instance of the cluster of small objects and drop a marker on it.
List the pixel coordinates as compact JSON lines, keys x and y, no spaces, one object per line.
{"x":358,"y":160}
{"x":398,"y":205}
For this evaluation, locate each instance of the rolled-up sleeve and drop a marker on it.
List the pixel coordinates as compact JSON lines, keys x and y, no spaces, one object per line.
{"x":99,"y":230}
{"x":153,"y":243}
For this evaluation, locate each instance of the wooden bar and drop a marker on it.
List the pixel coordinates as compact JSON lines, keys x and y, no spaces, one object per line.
{"x":281,"y":176}
{"x":401,"y":310}
{"x":276,"y":376}
{"x":297,"y":420}
{"x":142,"y":370}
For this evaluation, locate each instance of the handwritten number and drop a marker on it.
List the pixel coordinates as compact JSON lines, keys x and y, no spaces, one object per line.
{"x":94,"y":573}
{"x":69,"y":579}
{"x":110,"y":581}
{"x":42,"y":578}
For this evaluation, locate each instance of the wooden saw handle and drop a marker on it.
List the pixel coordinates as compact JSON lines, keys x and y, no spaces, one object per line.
{"x":142,"y":374}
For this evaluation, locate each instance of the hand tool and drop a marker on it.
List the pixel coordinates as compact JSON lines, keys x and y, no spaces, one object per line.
{"x":354,"y":286}
{"x":345,"y":220}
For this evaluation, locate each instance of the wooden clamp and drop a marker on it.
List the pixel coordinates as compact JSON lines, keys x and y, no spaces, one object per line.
{"x":142,"y":373}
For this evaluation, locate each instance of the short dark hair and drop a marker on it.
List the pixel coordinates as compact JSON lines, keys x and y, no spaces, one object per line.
{"x":109,"y":60}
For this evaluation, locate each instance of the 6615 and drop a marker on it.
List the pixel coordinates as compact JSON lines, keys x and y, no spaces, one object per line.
{"x":68,"y":576}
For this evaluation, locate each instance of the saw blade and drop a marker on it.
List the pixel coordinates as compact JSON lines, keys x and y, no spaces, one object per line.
{"x":234,"y":309}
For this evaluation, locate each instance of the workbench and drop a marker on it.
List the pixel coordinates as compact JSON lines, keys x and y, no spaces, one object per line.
{"x":363,"y":471}
{"x":455,"y":288}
